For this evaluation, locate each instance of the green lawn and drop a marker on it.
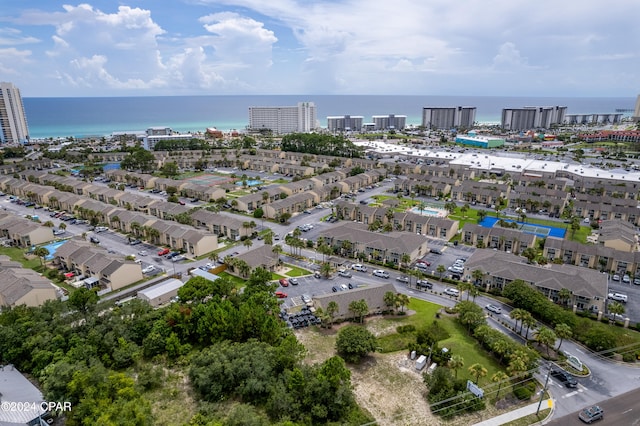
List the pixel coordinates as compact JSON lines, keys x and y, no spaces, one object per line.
{"x":296,"y":272}
{"x":460,"y":342}
{"x":237,"y":282}
{"x":17,"y":255}
{"x":275,"y":276}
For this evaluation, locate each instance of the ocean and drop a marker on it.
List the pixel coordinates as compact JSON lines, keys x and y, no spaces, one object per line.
{"x":79,"y":117}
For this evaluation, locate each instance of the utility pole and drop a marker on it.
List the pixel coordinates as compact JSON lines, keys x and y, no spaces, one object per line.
{"x":544,"y":389}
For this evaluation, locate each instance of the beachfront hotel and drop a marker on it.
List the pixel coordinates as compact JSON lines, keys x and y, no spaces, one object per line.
{"x":345,"y":123}
{"x":448,"y":117}
{"x":301,"y":118}
{"x":13,"y":120}
{"x":532,"y":117}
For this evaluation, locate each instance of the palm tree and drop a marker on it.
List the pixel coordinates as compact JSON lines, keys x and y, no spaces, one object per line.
{"x":563,"y":331}
{"x":389,"y":299}
{"x":499,"y":377}
{"x":440,"y":270}
{"x":277,"y":249}
{"x":42,"y":253}
{"x":48,"y":224}
{"x":529,"y":321}
{"x":517,"y":314}
{"x":247,"y":243}
{"x":455,"y":363}
{"x":616,"y":309}
{"x":477,"y":276}
{"x":546,"y":336}
{"x":62,"y":226}
{"x":466,"y":286}
{"x":405,"y":259}
{"x":564,"y":295}
{"x":332,"y":309}
{"x":325,"y":269}
{"x":478,"y":371}
{"x":213,"y":256}
{"x":403,"y":300}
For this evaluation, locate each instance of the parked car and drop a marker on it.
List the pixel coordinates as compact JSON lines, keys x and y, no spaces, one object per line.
{"x":452,"y":291}
{"x":359,"y":267}
{"x":351,"y":286}
{"x":100,"y":229}
{"x":334,"y":289}
{"x":435,"y":251}
{"x":626,"y":279}
{"x":294,"y":281}
{"x":142,"y":253}
{"x":316,"y":274}
{"x":59,"y":232}
{"x":424,"y":284}
{"x":344,"y":287}
{"x":306,"y":299}
{"x":591,"y":414}
{"x":280,"y":294}
{"x":493,"y":308}
{"x":615,"y":277}
{"x":94,"y":240}
{"x":618,"y":297}
{"x":164,"y":252}
{"x":283,"y":282}
{"x":179,"y":258}
{"x":565,"y":378}
{"x":148,"y":269}
{"x":403,"y":279}
{"x":380,"y":273}
{"x":135,"y":242}
{"x":344,"y":273}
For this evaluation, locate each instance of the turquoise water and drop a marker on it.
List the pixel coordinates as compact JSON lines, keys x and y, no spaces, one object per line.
{"x":427,"y":212}
{"x":63,"y":117}
{"x":249,"y":182}
{"x":52,"y":247}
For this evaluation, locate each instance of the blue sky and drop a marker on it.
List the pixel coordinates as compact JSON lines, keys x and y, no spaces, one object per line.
{"x":404,"y":47}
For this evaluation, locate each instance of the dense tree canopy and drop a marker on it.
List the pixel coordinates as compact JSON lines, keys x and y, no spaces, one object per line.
{"x":313,"y":143}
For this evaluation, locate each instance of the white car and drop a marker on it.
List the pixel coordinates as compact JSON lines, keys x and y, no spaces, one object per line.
{"x":101,"y":229}
{"x":493,"y":308}
{"x":178,"y":258}
{"x":142,"y":253}
{"x":344,"y":273}
{"x":452,"y":291}
{"x":359,"y":267}
{"x":380,"y":273}
{"x":148,"y":269}
{"x":618,"y":297}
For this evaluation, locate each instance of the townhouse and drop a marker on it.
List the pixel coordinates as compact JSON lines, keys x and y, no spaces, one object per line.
{"x":588,"y":287}
{"x":260,"y":257}
{"x":20,"y":286}
{"x":86,"y":260}
{"x":22,"y":232}
{"x":354,"y":240}
{"x":373,"y":295}
{"x":505,"y":239}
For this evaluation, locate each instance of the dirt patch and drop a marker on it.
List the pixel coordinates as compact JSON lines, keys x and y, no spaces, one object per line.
{"x":388,"y":385}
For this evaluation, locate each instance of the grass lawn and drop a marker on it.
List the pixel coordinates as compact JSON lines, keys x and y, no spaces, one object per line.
{"x":296,"y":272}
{"x":237,"y":282}
{"x":459,"y":342}
{"x":275,"y":276}
{"x":17,"y":255}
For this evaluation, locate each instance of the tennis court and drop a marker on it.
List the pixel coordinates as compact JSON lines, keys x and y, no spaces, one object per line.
{"x":210,"y":180}
{"x":542,"y":231}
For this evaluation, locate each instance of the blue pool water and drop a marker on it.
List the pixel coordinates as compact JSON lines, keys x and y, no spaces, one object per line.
{"x":490,"y":221}
{"x":52,"y":247}
{"x":427,"y":212}
{"x":251,"y":182}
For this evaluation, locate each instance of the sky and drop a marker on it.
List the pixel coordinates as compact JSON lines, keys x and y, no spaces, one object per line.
{"x":292,"y":47}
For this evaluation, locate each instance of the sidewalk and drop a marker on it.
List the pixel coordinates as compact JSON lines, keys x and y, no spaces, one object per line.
{"x":516,"y":414}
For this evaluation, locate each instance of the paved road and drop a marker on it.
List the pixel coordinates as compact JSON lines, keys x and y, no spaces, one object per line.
{"x":621,"y":410}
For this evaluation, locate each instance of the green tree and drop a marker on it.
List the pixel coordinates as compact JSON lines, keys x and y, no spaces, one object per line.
{"x":440,"y":269}
{"x":247,"y":243}
{"x":402,"y":300}
{"x":359,"y":308}
{"x":499,"y":377}
{"x":455,"y":363}
{"x":169,"y":169}
{"x":83,"y":299}
{"x":42,"y":253}
{"x":332,"y":310}
{"x":546,"y":337}
{"x":563,"y":331}
{"x":355,"y":342}
{"x":477,"y":370}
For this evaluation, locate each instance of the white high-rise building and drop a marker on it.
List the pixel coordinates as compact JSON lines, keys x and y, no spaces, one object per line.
{"x":13,"y":120}
{"x":284,"y":119}
{"x":636,"y":113}
{"x":448,"y":117}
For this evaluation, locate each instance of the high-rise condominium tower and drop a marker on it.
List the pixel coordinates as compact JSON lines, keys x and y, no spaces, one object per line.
{"x":13,"y":121}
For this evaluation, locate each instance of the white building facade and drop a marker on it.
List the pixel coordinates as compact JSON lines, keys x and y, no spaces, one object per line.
{"x":528,"y":118}
{"x":13,"y":120}
{"x":448,"y":117}
{"x":301,"y":118}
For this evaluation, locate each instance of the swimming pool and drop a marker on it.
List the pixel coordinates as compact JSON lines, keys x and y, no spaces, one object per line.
{"x":52,"y":247}
{"x":428,"y":211}
{"x":251,"y":182}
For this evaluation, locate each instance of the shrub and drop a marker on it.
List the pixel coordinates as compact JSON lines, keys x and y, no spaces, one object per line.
{"x":409,"y":328}
{"x":522,"y":393}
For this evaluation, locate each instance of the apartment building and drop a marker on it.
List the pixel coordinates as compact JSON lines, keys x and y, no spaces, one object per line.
{"x":345,"y":123}
{"x":532,"y":117}
{"x":13,"y":120}
{"x":448,"y":117}
{"x":20,"y":286}
{"x":301,"y":118}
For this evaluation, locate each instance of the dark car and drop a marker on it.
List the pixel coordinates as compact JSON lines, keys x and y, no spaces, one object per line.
{"x":435,"y":251}
{"x":334,"y":289}
{"x":424,"y":284}
{"x":565,"y":378}
{"x":94,"y":240}
{"x":591,"y":414}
